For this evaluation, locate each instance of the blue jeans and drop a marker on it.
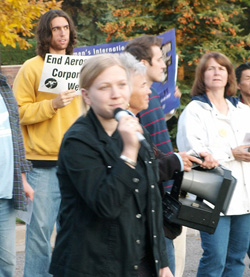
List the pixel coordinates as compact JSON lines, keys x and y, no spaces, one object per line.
{"x":170,"y":253}
{"x":225,"y":250}
{"x":46,"y":203}
{"x":7,"y":238}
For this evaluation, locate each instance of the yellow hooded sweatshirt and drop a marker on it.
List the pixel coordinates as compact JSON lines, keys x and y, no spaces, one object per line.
{"x":42,"y":126}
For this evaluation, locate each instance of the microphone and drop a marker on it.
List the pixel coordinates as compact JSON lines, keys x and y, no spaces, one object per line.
{"x":118,"y":114}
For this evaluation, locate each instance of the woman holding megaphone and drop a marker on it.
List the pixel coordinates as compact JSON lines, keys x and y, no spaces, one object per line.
{"x":216,"y":122}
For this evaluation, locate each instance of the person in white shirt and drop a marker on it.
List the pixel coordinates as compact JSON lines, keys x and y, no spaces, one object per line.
{"x":214,"y":123}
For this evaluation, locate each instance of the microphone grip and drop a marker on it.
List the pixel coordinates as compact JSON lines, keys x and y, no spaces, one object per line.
{"x":140,"y":136}
{"x":118,"y":114}
{"x":143,"y":141}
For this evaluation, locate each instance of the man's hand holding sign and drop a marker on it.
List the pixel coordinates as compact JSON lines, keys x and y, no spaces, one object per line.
{"x":63,"y":99}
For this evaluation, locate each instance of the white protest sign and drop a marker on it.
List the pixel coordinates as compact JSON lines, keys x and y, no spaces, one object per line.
{"x":61,"y":73}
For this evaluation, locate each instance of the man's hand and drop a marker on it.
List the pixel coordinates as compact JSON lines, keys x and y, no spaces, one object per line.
{"x":209,"y":162}
{"x":177,"y":92}
{"x":188,"y":160}
{"x":29,"y":192}
{"x":63,"y":99}
{"x":241,"y":153}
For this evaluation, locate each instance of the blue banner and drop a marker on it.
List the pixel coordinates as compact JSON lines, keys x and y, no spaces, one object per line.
{"x":165,"y":89}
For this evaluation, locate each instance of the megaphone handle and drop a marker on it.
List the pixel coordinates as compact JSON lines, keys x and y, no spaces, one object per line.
{"x":175,"y":192}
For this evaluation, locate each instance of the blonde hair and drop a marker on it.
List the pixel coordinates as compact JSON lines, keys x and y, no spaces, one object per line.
{"x":94,"y":66}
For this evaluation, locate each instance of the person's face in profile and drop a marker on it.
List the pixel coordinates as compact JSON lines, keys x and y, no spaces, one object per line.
{"x":155,"y":71}
{"x":140,"y":94}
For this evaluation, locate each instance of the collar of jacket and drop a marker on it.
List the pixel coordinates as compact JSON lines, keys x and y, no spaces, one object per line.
{"x":95,"y":127}
{"x":102,"y":135}
{"x":113,"y":148}
{"x":203,"y":98}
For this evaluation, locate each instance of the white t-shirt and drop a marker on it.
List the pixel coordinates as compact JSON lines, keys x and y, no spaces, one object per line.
{"x":6,"y":153}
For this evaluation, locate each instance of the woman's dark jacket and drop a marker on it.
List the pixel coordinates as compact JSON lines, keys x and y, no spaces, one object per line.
{"x":100,"y":213}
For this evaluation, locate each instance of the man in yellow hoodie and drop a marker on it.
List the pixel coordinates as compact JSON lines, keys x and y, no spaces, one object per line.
{"x":44,"y":118}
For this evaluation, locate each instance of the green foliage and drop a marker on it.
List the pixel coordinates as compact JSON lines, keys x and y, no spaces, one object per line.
{"x":19,"y":221}
{"x":18,"y":17}
{"x":14,"y":56}
{"x":201,"y":26}
{"x":86,"y":14}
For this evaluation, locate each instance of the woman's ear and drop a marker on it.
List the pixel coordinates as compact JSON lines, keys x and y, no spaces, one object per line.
{"x":85,"y":96}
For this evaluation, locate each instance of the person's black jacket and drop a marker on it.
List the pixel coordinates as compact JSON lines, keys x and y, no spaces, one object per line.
{"x":100,"y":213}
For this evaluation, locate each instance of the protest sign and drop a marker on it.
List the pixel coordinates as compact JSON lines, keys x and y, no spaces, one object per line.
{"x":61,"y":73}
{"x":165,"y":89}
